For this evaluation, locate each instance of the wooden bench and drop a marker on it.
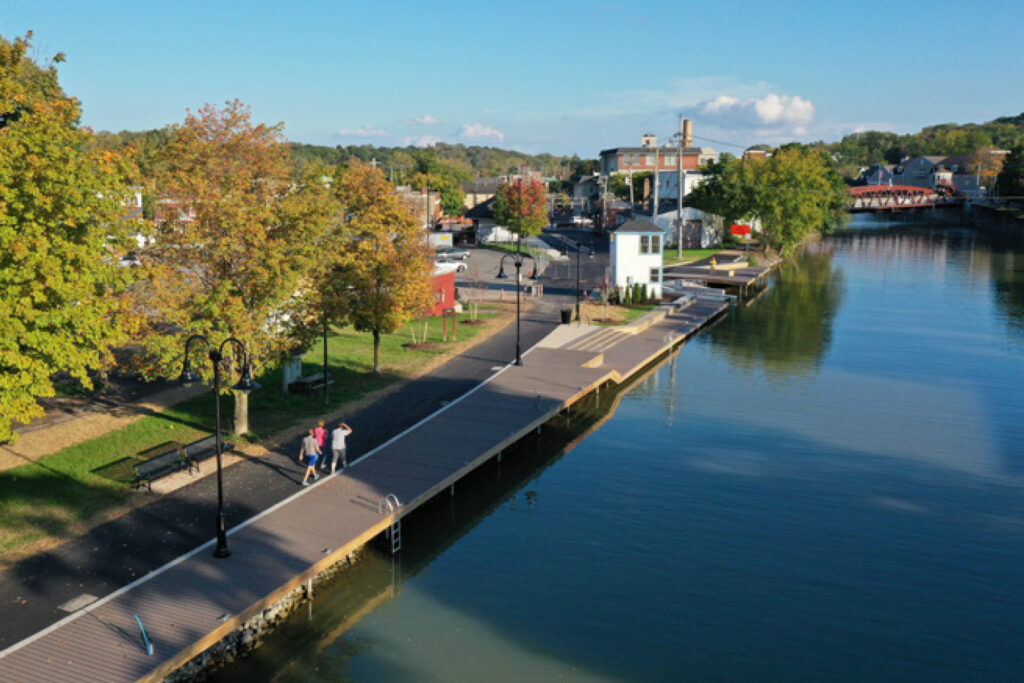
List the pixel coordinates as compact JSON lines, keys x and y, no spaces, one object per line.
{"x":171,"y":457}
{"x":309,"y":383}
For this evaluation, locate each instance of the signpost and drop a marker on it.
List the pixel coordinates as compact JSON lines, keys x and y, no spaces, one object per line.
{"x":743,"y":230}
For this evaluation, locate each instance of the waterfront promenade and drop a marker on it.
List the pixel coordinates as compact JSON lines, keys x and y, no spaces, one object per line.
{"x":192,"y":602}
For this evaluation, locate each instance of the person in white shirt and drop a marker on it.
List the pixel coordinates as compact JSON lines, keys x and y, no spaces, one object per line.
{"x":338,"y":445}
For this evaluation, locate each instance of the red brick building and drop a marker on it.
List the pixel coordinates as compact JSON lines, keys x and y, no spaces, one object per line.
{"x":630,"y":160}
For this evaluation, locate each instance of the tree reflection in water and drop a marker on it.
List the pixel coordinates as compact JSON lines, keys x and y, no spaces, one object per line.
{"x":788,"y":330}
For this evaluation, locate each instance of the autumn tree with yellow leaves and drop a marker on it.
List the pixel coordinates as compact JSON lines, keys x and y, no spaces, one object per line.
{"x":63,"y":228}
{"x":239,"y":234}
{"x":382,"y":268}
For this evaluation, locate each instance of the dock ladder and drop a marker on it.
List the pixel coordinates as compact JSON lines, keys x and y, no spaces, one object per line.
{"x":390,"y":505}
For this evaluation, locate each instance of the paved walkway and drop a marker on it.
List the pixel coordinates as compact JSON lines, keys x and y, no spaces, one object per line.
{"x":194,"y":601}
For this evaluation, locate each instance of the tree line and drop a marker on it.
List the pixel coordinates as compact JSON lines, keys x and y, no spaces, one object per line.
{"x":868,"y":147}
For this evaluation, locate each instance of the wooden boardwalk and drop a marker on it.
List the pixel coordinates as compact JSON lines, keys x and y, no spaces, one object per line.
{"x":194,"y":601}
{"x":732,"y":270}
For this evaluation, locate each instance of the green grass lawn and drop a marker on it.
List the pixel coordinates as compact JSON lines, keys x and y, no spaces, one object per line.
{"x":51,"y":497}
{"x":669,"y":257}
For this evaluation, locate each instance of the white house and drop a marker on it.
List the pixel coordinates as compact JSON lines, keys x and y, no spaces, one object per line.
{"x":878,"y":174}
{"x":636,"y":248}
{"x":668,"y":184}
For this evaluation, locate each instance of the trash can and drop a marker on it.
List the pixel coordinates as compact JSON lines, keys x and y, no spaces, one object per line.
{"x":566,"y":316}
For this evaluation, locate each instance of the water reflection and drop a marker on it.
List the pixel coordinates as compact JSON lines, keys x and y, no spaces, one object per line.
{"x":1008,"y":286}
{"x":788,"y":330}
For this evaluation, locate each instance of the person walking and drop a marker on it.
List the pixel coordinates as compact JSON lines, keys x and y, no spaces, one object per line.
{"x":320,"y":434}
{"x":338,"y":446}
{"x":309,"y":452}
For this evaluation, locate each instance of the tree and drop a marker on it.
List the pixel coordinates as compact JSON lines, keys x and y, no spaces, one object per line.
{"x":447,"y":179}
{"x":384,"y":264}
{"x":1011,"y":178}
{"x":794,"y":192}
{"x":521,"y":206}
{"x":238,"y":232}
{"x":452,"y":197}
{"x":62,"y":229}
{"x":798,"y":191}
{"x":986,"y":163}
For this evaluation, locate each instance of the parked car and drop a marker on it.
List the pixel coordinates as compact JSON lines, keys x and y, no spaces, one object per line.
{"x":452,"y":253}
{"x":447,"y":265}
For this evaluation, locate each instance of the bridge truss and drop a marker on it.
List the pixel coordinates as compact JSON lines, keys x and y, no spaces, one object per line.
{"x":896,"y":197}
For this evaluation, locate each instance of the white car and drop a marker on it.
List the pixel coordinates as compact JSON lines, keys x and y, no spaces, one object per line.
{"x":446,"y":265}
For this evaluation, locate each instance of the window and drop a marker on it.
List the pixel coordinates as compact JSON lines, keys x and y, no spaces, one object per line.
{"x":645,"y":244}
{"x":670,"y":159}
{"x":655,"y":275}
{"x":650,"y":160}
{"x":655,"y":244}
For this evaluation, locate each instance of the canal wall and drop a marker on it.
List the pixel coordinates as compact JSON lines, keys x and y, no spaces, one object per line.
{"x":249,"y":635}
{"x":1002,"y":221}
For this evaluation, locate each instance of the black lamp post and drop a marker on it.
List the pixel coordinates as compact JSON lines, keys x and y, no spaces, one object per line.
{"x":246,"y":384}
{"x":517,"y":261}
{"x":590,"y":254}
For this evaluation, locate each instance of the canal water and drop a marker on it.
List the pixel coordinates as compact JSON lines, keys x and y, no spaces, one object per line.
{"x":827,"y":485}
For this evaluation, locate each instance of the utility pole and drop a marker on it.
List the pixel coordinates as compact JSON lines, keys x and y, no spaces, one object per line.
{"x":654,"y":205}
{"x":604,"y":205}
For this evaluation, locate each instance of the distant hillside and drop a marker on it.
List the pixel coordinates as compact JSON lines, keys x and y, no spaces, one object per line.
{"x":474,"y":161}
{"x":862,"y":149}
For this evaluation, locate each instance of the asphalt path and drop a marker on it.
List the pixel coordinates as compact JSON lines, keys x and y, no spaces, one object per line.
{"x":116,"y":553}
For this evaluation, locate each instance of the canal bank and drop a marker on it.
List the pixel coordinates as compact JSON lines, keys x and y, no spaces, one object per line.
{"x":195,"y":601}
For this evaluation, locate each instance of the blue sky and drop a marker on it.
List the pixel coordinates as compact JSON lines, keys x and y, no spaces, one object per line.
{"x":561,"y":77}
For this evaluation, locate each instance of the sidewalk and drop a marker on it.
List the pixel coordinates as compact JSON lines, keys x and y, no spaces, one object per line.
{"x":117,"y":552}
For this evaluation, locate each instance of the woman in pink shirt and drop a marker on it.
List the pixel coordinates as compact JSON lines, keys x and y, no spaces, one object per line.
{"x":320,"y":434}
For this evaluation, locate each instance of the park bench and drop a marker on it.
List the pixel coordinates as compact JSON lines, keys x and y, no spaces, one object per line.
{"x":309,"y":383}
{"x":171,"y":457}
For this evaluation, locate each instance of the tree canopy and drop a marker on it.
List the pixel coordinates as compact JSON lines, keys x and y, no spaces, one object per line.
{"x":238,"y":231}
{"x":521,"y":206}
{"x":62,"y":230}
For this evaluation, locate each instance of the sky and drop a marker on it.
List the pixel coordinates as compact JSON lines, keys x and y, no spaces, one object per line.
{"x":564,"y":77}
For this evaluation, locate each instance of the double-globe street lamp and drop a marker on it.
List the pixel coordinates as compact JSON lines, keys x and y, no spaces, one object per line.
{"x":590,"y":254}
{"x":245,"y":384}
{"x":517,"y":261}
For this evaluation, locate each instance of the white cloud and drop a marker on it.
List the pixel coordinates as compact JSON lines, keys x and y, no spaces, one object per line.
{"x":363,"y":132}
{"x":771,"y":112}
{"x":479,"y":131}
{"x":679,"y":93}
{"x":425,"y":120}
{"x":421,"y":140}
